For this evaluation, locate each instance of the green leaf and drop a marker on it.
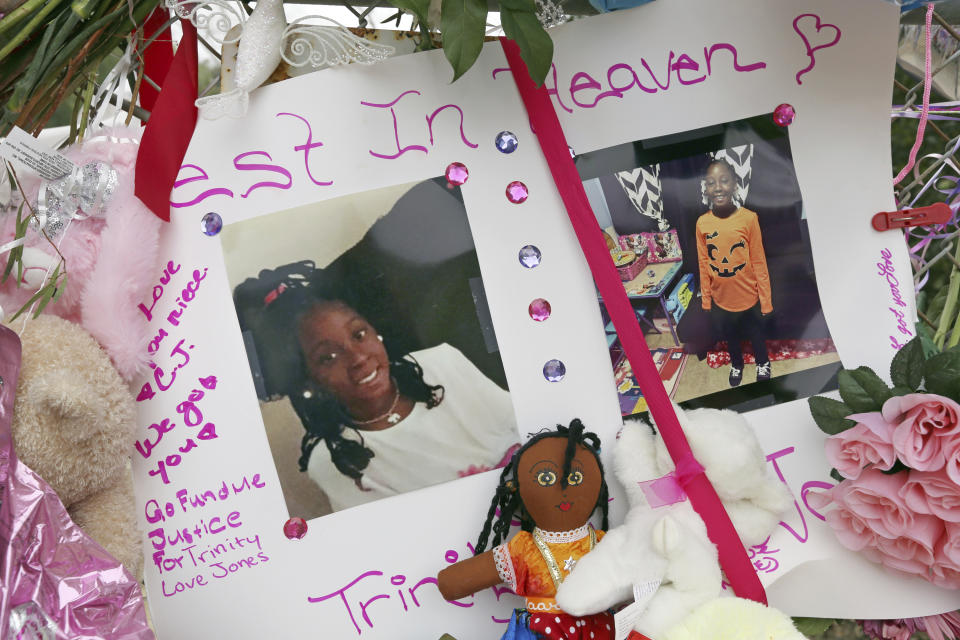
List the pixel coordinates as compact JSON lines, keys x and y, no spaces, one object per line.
{"x":906,"y":369}
{"x":942,"y":373}
{"x":813,"y":626}
{"x":935,"y":308}
{"x":525,"y":6}
{"x":536,"y":47}
{"x":930,"y":347}
{"x":830,"y":415}
{"x":896,"y":468}
{"x":29,"y":303}
{"x":61,"y":287}
{"x":82,"y":8}
{"x":419,"y":8}
{"x":862,"y":389}
{"x":19,"y":229}
{"x":836,"y":475}
{"x":48,"y":291}
{"x":463,"y":24}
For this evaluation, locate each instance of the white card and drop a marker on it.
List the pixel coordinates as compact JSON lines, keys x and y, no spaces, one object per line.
{"x":324,"y":163}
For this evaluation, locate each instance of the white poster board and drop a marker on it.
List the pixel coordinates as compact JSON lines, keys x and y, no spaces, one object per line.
{"x":210,"y":493}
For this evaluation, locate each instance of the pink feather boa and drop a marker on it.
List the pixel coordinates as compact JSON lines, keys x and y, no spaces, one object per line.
{"x":110,"y":261}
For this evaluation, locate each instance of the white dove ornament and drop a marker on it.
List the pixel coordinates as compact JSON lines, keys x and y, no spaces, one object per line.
{"x":258,"y":56}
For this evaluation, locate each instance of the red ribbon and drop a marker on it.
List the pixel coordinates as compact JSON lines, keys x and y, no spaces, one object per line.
{"x":168,"y":132}
{"x":543,"y":120}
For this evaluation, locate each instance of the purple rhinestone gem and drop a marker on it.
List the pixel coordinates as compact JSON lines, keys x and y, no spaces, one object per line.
{"x":456,"y":173}
{"x":529,"y":256}
{"x":554,"y":370}
{"x":211,"y":223}
{"x":784,"y":114}
{"x":517,"y":192}
{"x":539,"y":309}
{"x":506,"y":142}
{"x":295,"y":528}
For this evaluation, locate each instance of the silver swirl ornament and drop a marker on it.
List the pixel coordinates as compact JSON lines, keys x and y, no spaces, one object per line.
{"x":257,"y":57}
{"x":328,"y":46}
{"x":213,"y":18}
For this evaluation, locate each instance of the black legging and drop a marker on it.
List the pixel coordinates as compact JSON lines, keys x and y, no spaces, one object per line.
{"x":736,"y":326}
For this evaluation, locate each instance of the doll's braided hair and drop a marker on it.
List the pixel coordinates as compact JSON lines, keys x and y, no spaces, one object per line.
{"x":271,"y":307}
{"x":507,"y":499}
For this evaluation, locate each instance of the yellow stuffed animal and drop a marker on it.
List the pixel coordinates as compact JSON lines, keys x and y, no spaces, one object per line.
{"x":734,"y":619}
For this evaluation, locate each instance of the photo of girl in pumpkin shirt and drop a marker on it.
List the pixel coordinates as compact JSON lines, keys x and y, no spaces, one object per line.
{"x":734,"y":280}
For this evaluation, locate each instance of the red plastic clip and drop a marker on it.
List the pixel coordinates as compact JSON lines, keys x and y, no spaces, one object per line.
{"x":934,"y":214}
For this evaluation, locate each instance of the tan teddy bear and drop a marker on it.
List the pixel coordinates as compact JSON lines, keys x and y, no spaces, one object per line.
{"x":73,"y":424}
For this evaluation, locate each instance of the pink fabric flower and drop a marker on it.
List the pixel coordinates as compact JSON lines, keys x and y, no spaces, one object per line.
{"x":914,"y":550}
{"x":951,"y":454}
{"x":921,"y":423}
{"x":874,"y":498}
{"x":868,"y":443}
{"x":932,"y":492}
{"x":944,"y":626}
{"x":950,"y":544}
{"x":944,"y":572}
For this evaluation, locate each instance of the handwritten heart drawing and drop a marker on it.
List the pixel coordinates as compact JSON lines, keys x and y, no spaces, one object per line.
{"x":814,"y":30}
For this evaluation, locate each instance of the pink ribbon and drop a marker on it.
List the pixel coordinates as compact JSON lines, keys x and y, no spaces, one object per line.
{"x":704,"y":499}
{"x":663,"y":492}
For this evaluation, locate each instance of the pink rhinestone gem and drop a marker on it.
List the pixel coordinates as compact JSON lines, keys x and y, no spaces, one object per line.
{"x":784,"y":114}
{"x":295,"y":528}
{"x":517,"y":192}
{"x":456,"y":173}
{"x":539,"y":309}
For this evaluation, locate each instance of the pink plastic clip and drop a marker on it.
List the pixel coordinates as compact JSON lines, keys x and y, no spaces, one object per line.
{"x":938,"y":213}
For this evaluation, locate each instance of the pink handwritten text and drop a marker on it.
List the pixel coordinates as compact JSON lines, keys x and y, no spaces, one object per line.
{"x":887,"y":271}
{"x":359,"y":594}
{"x":586,"y":92}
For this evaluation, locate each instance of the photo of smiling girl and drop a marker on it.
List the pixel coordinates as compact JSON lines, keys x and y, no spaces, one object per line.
{"x":387,"y":423}
{"x":370,"y":345}
{"x":734,"y":280}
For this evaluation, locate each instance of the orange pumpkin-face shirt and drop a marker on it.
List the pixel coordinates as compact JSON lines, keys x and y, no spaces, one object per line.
{"x":733,"y":266}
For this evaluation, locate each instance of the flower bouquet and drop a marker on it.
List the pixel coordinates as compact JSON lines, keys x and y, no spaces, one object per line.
{"x":896,"y":457}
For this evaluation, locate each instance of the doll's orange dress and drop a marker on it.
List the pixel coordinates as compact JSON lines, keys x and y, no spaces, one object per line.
{"x":524,"y":569}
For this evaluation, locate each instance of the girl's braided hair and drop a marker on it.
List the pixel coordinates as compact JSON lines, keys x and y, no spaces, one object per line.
{"x":271,"y":308}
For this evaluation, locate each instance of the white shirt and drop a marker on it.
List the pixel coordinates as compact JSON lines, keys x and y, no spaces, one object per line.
{"x":470,"y":431}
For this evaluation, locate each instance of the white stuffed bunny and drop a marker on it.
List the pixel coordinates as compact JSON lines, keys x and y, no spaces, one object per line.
{"x":670,"y":543}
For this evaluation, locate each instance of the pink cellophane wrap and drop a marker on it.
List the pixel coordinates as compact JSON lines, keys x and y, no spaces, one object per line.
{"x":55,"y":581}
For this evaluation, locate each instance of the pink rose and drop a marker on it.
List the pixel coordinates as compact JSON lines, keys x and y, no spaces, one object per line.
{"x":932,"y":492}
{"x":951,"y":454}
{"x":921,"y":422}
{"x":913,"y":552}
{"x":950,"y":544}
{"x":852,"y":530}
{"x":875,"y":498}
{"x":945,"y":571}
{"x":868,"y":443}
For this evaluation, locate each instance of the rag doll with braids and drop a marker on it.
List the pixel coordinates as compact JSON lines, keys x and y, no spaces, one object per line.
{"x":389,"y":422}
{"x":553,"y":485}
